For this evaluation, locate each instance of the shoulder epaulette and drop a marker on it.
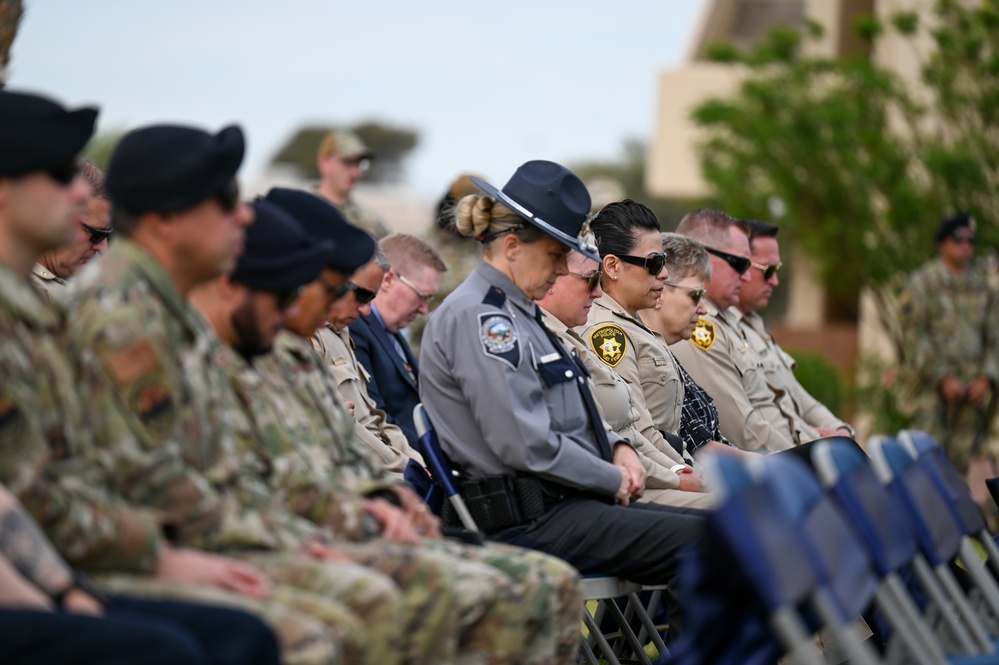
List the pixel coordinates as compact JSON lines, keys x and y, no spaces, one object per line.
{"x":495,"y":297}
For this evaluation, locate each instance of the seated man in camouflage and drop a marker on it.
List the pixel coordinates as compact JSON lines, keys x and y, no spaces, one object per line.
{"x":48,"y":457}
{"x":167,"y":415}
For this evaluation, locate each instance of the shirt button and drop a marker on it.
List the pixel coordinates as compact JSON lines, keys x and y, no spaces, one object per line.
{"x":568,"y":373}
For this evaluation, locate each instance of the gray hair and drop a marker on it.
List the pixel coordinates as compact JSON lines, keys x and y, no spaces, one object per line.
{"x":685,"y":257}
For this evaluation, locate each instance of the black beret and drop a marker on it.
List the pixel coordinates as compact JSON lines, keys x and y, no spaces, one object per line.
{"x":169,"y":168}
{"x":950,"y":224}
{"x":36,"y":133}
{"x":322,"y":220}
{"x":278,"y":255}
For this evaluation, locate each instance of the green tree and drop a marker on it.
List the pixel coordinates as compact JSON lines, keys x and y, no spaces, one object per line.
{"x":102,"y":145}
{"x":389,"y":145}
{"x":861,"y":169}
{"x":11,"y":12}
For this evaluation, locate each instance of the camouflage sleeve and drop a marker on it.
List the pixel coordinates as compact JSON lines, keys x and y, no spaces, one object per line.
{"x":990,"y":365}
{"x":920,"y":343}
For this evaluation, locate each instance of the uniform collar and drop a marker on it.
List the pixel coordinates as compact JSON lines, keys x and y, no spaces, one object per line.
{"x":553,"y":323}
{"x":613,"y":306}
{"x":42,"y":272}
{"x":494,"y":277}
{"x":24,"y":301}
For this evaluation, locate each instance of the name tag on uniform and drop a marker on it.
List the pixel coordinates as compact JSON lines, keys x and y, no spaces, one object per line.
{"x":339,"y":361}
{"x":660,"y":360}
{"x":550,"y":357}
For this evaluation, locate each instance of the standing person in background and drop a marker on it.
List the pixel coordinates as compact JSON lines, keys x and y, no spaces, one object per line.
{"x":407,"y":290}
{"x":92,"y":229}
{"x":950,"y":316}
{"x":342,"y":160}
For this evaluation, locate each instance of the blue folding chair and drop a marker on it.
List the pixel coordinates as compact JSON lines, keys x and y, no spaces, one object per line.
{"x":601,"y":588}
{"x":938,"y":534}
{"x":876,"y":517}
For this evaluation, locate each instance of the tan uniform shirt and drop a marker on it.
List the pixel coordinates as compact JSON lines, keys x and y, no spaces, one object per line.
{"x":721,"y":361}
{"x":639,"y":356}
{"x":371,"y":423}
{"x":51,"y":284}
{"x":618,"y":408}
{"x":778,"y":365}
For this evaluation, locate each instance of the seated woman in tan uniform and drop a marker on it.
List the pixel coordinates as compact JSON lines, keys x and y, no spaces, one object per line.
{"x":634,"y":267}
{"x":566,"y":305}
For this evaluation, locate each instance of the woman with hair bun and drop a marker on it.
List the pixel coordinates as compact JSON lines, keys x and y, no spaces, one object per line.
{"x":512,"y":407}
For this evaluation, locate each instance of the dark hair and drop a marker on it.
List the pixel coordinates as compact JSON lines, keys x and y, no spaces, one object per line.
{"x":617,"y":224}
{"x":758,"y":229}
{"x":124,"y":221}
{"x":94,"y":177}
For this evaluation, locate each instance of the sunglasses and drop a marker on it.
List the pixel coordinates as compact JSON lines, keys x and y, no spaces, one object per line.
{"x":228,"y":196}
{"x":334,"y":292}
{"x":696,"y":294}
{"x":740,"y":264}
{"x":287,"y":298}
{"x":592,"y":280}
{"x":424,"y":298}
{"x":961,"y":239}
{"x":363,"y":295}
{"x":654,"y":263}
{"x":770,"y":270}
{"x":97,"y":236}
{"x":63,"y":173}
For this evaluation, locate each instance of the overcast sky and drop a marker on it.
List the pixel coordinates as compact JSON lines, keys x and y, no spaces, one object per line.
{"x":487,"y":85}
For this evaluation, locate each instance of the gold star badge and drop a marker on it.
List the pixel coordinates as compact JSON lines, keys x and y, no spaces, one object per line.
{"x":704,"y":335}
{"x":610,"y":344}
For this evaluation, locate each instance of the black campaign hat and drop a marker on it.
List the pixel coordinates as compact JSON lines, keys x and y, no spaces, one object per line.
{"x":278,"y":254}
{"x":952,"y":223}
{"x":551,"y":197}
{"x":169,"y":168}
{"x":36,"y":133}
{"x":322,"y":220}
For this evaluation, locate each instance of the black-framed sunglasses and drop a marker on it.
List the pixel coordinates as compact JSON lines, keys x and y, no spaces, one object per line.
{"x":654,"y":264}
{"x":960,"y":238}
{"x":228,"y":196}
{"x":769,"y":270}
{"x":592,"y":280}
{"x":696,"y":294}
{"x":97,"y":236}
{"x":63,"y":173}
{"x":363,"y":295}
{"x":425,"y":298}
{"x":740,"y":264}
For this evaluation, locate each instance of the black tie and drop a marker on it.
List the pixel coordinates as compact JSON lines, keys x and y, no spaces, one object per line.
{"x":584,"y":390}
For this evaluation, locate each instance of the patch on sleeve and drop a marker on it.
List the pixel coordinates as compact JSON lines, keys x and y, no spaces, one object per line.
{"x":133,"y":362}
{"x":151,"y":402}
{"x":499,"y":338}
{"x":610,"y":344}
{"x":704,"y":335}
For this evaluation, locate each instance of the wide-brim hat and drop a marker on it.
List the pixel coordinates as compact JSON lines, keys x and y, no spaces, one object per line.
{"x":170,"y":168}
{"x":321,"y":220}
{"x":278,"y":255}
{"x":552,"y":198}
{"x":36,"y":133}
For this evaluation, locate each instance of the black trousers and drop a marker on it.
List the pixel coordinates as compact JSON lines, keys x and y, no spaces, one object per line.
{"x":137,"y":631}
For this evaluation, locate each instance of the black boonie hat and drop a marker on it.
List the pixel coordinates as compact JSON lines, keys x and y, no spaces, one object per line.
{"x":169,"y":168}
{"x":37,"y":134}
{"x":952,"y":223}
{"x":277,"y":254}
{"x":321,"y":220}
{"x":551,"y":197}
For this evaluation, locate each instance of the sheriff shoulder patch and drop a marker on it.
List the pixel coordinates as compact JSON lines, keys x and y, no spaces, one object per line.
{"x":498,"y":337}
{"x":610,"y":344}
{"x":704,"y":335}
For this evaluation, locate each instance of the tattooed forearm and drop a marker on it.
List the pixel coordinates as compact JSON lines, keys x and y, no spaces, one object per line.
{"x":24,"y":545}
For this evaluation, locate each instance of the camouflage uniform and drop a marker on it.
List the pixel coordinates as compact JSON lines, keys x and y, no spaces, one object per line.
{"x":537,"y":593}
{"x":951,"y":327}
{"x":167,"y":419}
{"x":46,"y":449}
{"x":366,"y":218}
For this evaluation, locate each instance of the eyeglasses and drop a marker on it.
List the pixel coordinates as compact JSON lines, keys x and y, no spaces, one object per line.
{"x":228,"y":196}
{"x":961,"y":239}
{"x":740,"y":264}
{"x":592,"y":280}
{"x":770,"y":270}
{"x":363,"y":295}
{"x":97,"y":236}
{"x":695,"y":294}
{"x":424,"y":298}
{"x":63,"y":173}
{"x":654,"y":263}
{"x":287,"y":298}
{"x":362,"y":163}
{"x":334,"y":291}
